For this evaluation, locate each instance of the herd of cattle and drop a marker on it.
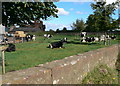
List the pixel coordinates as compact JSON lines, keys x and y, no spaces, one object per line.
{"x":28,"y":37}
{"x":59,"y":44}
{"x":103,"y":38}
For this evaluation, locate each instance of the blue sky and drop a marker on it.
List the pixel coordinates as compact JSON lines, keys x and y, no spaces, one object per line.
{"x":68,"y":13}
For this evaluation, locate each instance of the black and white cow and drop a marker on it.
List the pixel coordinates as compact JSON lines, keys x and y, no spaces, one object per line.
{"x":94,"y":39}
{"x":102,"y":38}
{"x":33,"y":38}
{"x":30,"y":37}
{"x":58,"y":44}
{"x":11,"y":48}
{"x":105,"y":38}
{"x":83,"y":34}
{"x":5,"y":40}
{"x":113,"y":37}
{"x":87,"y":39}
{"x":90,"y":39}
{"x":48,"y":36}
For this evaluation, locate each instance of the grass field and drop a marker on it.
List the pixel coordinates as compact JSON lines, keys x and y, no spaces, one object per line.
{"x":101,"y":74}
{"x":29,"y":54}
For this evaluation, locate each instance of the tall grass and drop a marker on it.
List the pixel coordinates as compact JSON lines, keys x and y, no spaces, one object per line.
{"x":101,"y":74}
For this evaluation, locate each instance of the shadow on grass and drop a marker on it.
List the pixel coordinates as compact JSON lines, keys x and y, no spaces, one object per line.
{"x":77,"y":39}
{"x":118,"y":39}
{"x":58,"y":39}
{"x":86,"y":43}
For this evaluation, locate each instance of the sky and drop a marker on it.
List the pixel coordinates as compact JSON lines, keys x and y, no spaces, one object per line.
{"x":69,"y":11}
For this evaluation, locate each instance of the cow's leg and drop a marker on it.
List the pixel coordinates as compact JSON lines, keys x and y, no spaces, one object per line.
{"x":51,"y":46}
{"x":62,"y":46}
{"x":22,"y":39}
{"x":104,"y":42}
{"x":108,"y":41}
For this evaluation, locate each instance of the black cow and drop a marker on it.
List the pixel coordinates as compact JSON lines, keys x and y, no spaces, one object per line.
{"x":58,"y":44}
{"x":11,"y":48}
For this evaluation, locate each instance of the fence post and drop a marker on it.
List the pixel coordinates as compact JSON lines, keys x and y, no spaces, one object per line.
{"x":3,"y":62}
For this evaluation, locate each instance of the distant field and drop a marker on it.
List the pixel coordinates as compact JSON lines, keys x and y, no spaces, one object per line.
{"x":29,"y":54}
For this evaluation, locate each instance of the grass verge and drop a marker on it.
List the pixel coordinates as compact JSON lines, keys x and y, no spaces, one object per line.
{"x":101,"y":74}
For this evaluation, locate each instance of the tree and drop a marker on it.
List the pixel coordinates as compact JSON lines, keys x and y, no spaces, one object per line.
{"x":64,"y":29}
{"x":101,"y":19}
{"x":51,"y":31}
{"x":22,"y":13}
{"x":0,"y":12}
{"x":91,"y":23}
{"x":114,"y":25}
{"x":57,"y":31}
{"x":78,"y":25}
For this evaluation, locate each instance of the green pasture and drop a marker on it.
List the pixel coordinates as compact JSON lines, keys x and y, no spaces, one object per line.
{"x":29,"y":54}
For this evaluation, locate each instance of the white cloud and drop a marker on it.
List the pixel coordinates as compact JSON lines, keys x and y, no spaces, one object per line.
{"x":76,"y":0}
{"x":56,"y":26}
{"x":110,"y":1}
{"x":78,"y":12}
{"x":71,"y":9}
{"x":61,"y":11}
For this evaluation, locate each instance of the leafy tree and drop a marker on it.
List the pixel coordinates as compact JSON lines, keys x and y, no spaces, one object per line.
{"x":78,"y":25}
{"x":118,"y":21}
{"x":57,"y":30}
{"x":64,"y":29}
{"x":0,"y":12}
{"x":101,"y":19}
{"x":91,"y":23}
{"x":23,"y":13}
{"x":51,"y":31}
{"x":115,"y":24}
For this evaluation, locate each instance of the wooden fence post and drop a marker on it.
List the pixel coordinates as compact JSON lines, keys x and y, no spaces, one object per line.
{"x":3,"y":62}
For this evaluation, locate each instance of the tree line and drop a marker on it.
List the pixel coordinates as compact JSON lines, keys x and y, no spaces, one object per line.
{"x":24,"y":13}
{"x":100,"y":20}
